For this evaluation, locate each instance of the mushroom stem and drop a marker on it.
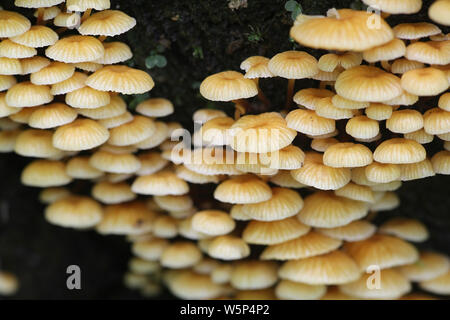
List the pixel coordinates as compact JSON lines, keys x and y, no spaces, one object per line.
{"x":61,"y":30}
{"x":241,"y":106}
{"x":86,"y":14}
{"x":261,"y":94}
{"x":40,"y":16}
{"x":386,"y":65}
{"x":322,"y":84}
{"x":290,"y":93}
{"x":102,"y":38}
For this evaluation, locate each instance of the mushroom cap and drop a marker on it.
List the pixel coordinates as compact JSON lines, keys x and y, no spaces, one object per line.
{"x":273,"y":232}
{"x":227,"y":86}
{"x":207,"y":161}
{"x":418,"y":170}
{"x":112,"y":193}
{"x":441,"y":162}
{"x":88,"y":66}
{"x":132,"y":132}
{"x":228,"y":247}
{"x":45,"y":173}
{"x":14,"y":50}
{"x":53,"y":73}
{"x":107,"y":23}
{"x":116,"y":121}
{"x":309,"y":98}
{"x":388,"y":201}
{"x":326,"y":109}
{"x":13,"y":24}
{"x":356,"y":192}
{"x":306,"y":246}
{"x":366,"y":83}
{"x":174,"y":203}
{"x":284,"y":179}
{"x":215,"y":132}
{"x":80,"y":168}
{"x":345,"y":30}
{"x":293,"y":65}
{"x":115,"y":52}
{"x":308,"y":122}
{"x":405,"y":121}
{"x":114,"y":162}
{"x":420,"y":136}
{"x":152,"y":162}
{"x":155,"y":107}
{"x":362,"y":127}
{"x":191,"y":285}
{"x":10,"y":66}
{"x":318,"y":175}
{"x":36,"y":143}
{"x":444,"y":102}
{"x":52,"y":194}
{"x":74,"y":212}
{"x":383,"y":251}
{"x":151,"y":249}
{"x":413,"y":31}
{"x":33,"y":64}
{"x":74,"y":49}
{"x":256,"y":67}
{"x":330,"y":61}
{"x":88,"y":98}
{"x":429,"y":266}
{"x":430,"y":52}
{"x":382,"y":172}
{"x":194,"y":177}
{"x":396,"y":7}
{"x":51,"y":116}
{"x":160,"y":184}
{"x":436,"y":121}
{"x":262,"y":133}
{"x":83,"y":5}
{"x":425,"y":82}
{"x":406,"y":229}
{"x":245,"y":189}
{"x":27,"y":94}
{"x":6,"y":82}
{"x":116,"y":107}
{"x":81,"y":134}
{"x":213,"y":222}
{"x":251,"y":275}
{"x":203,"y":115}
{"x":37,"y":3}
{"x":392,"y":286}
{"x":378,"y":111}
{"x":156,"y":139}
{"x":322,"y":144}
{"x":288,"y":158}
{"x":390,"y":51}
{"x":354,"y":231}
{"x":37,"y":36}
{"x":331,"y":268}
{"x":342,"y":103}
{"x":130,"y":218}
{"x":49,"y":13}
{"x":67,"y":20}
{"x":8,"y":140}
{"x":5,"y":109}
{"x":290,"y":290}
{"x":347,"y":154}
{"x":439,"y":12}
{"x":398,"y":151}
{"x":400,"y":66}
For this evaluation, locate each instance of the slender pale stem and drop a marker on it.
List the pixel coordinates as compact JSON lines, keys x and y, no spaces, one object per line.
{"x":322,"y":84}
{"x":261,"y":94}
{"x":386,"y":65}
{"x":102,"y":38}
{"x":240,"y":108}
{"x":290,"y":93}
{"x":86,"y":14}
{"x":40,"y":16}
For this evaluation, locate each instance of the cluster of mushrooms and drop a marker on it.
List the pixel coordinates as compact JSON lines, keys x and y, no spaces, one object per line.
{"x":294,"y":191}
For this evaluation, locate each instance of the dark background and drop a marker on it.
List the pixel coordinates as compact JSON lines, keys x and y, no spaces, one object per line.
{"x":197,"y":38}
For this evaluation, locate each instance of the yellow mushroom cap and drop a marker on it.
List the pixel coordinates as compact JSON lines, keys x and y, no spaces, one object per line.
{"x":194,"y":177}
{"x":112,"y":193}
{"x":6,"y":82}
{"x":75,"y":82}
{"x":400,"y":66}
{"x":243,"y":189}
{"x":308,"y":122}
{"x":8,"y":140}
{"x":316,"y":174}
{"x":309,"y":245}
{"x":343,"y":30}
{"x":131,"y":218}
{"x":116,"y":121}
{"x":83,"y":5}
{"x":53,"y":73}
{"x":382,"y":172}
{"x":180,"y":255}
{"x":155,"y":107}
{"x":49,"y":13}
{"x":389,"y":51}
{"x":354,"y":231}
{"x":23,"y":115}
{"x":5,"y":109}
{"x":396,"y":7}
{"x":342,"y":103}
{"x":418,"y":170}
{"x":290,"y":290}
{"x":387,"y":201}
{"x":14,"y":50}
{"x":160,"y":183}
{"x":331,"y":61}
{"x":13,"y":24}
{"x":392,"y":286}
{"x":191,"y":285}
{"x":115,"y":52}
{"x":444,"y":101}
{"x":284,"y":179}
{"x":74,"y":212}
{"x":429,"y":266}
{"x":132,"y":132}
{"x":51,"y":116}
{"x":75,"y":49}
{"x":27,"y":94}
{"x":425,"y":82}
{"x":419,"y":136}
{"x":331,"y":268}
{"x":52,"y":194}
{"x":366,"y":83}
{"x":152,"y":162}
{"x":228,"y":247}
{"x":116,"y":107}
{"x":149,"y":249}
{"x":441,"y":162}
{"x":310,"y":97}
{"x":431,"y":52}
{"x":274,"y":232}
{"x":399,"y":151}
{"x":10,"y":66}
{"x":356,"y":192}
{"x":222,"y":273}
{"x":326,"y":109}
{"x":36,"y":37}
{"x":36,"y":143}
{"x":213,"y":222}
{"x":45,"y":173}
{"x":320,"y":145}
{"x":81,"y":134}
{"x":227,"y":86}
{"x":114,"y":162}
{"x":36,"y":3}
{"x":405,"y":121}
{"x":88,"y":66}
{"x":251,"y":275}
{"x":107,"y":23}
{"x":347,"y":154}
{"x":439,"y":285}
{"x":362,"y":127}
{"x":413,"y":31}
{"x":119,"y":78}
{"x":383,"y":251}
{"x":436,"y":121}
{"x":79,"y":168}
{"x":439,"y":12}
{"x":293,"y":65}
{"x":378,"y":111}
{"x":203,"y":115}
{"x":206,"y":161}
{"x":404,"y":228}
